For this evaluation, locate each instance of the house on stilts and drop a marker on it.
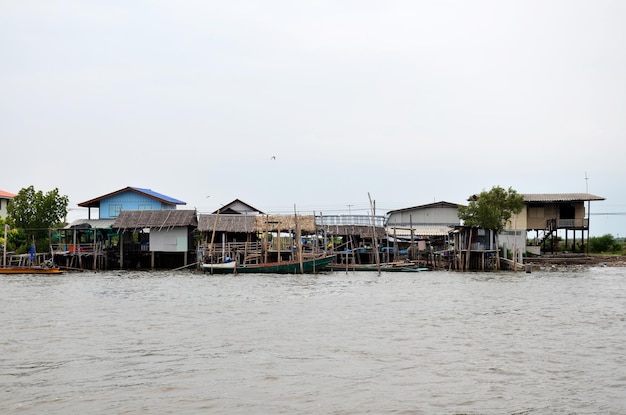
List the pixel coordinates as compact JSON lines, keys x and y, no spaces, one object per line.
{"x":94,"y":242}
{"x":547,"y":223}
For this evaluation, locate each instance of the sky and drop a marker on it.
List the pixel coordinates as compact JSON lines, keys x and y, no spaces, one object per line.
{"x":315,"y":106}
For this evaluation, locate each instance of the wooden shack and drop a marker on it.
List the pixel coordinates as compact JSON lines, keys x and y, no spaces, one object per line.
{"x":254,"y":238}
{"x":84,"y":244}
{"x":228,"y":235}
{"x":475,"y":249}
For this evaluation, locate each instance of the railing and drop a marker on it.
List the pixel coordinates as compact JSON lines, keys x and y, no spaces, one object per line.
{"x":580,"y":223}
{"x":362,"y":220}
{"x":554,"y":224}
{"x":76,"y":248}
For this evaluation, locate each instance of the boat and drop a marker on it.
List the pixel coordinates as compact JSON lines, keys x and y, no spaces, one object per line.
{"x":404,"y":269}
{"x":32,"y":270}
{"x":388,"y":267}
{"x":306,"y":266}
{"x":220,"y":268}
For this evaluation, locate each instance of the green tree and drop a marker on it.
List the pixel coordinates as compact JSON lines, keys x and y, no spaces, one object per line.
{"x":11,"y":236}
{"x":34,"y":212}
{"x":604,"y":244}
{"x":492,"y":209}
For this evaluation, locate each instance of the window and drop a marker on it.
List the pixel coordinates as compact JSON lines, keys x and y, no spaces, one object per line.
{"x":114,"y":210}
{"x":144,"y":206}
{"x":536,"y":212}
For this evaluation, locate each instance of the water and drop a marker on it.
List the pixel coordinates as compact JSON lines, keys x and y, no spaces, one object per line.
{"x":403,"y":343}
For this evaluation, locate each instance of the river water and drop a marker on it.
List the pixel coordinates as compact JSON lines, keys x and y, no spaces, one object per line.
{"x":548,"y":342}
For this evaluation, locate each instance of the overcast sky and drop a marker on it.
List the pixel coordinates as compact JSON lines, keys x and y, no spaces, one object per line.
{"x":410,"y":101}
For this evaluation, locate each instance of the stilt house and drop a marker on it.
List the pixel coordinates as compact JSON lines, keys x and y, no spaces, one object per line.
{"x":94,"y":243}
{"x":156,"y":238}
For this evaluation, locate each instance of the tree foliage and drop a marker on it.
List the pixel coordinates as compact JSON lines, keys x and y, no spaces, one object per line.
{"x":10,"y":235}
{"x":492,"y":209}
{"x":34,"y":212}
{"x":604,"y":244}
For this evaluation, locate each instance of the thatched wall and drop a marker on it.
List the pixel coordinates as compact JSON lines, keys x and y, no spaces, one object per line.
{"x":285,"y":223}
{"x":233,"y":223}
{"x":237,"y":223}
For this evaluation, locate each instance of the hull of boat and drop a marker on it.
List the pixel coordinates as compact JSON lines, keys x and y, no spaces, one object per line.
{"x":307,"y":266}
{"x":383,"y":268}
{"x":31,"y":270}
{"x":224,"y":268}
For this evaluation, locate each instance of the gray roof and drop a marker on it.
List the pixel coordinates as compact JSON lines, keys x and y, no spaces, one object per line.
{"x":560,"y":197}
{"x":441,"y":204}
{"x":421,"y":230}
{"x":91,"y":223}
{"x":169,"y":218}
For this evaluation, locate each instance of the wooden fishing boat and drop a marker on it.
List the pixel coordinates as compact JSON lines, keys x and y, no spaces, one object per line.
{"x":389,"y":267}
{"x":32,"y":270}
{"x":307,"y":266}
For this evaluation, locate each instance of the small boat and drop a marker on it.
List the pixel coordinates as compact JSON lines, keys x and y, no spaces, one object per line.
{"x":389,"y":267}
{"x":32,"y":270}
{"x":307,"y":266}
{"x":404,"y":269}
{"x":220,"y":268}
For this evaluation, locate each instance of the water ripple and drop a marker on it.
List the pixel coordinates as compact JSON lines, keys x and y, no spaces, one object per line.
{"x":550,"y":342}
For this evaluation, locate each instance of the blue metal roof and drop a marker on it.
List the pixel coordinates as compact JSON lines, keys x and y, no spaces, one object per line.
{"x":147,"y":192}
{"x":156,"y":195}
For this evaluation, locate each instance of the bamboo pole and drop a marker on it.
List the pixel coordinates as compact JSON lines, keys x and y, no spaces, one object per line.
{"x":374,"y":237}
{"x":213,"y":238}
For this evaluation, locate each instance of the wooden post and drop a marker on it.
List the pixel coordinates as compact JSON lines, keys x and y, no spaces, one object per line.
{"x":4,"y":254}
{"x":299,"y":240}
{"x":121,"y":242}
{"x":468,"y":251}
{"x":278,"y":245}
{"x":265,"y":238}
{"x":395,"y":245}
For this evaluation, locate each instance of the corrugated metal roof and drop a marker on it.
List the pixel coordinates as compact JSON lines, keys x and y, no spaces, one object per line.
{"x":420,"y":230}
{"x":159,"y":196}
{"x":441,"y":204}
{"x":93,"y":223}
{"x":147,"y":192}
{"x":560,"y":197}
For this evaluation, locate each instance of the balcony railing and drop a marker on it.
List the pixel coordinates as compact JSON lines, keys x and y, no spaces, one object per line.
{"x":361,"y":220}
{"x":580,"y":223}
